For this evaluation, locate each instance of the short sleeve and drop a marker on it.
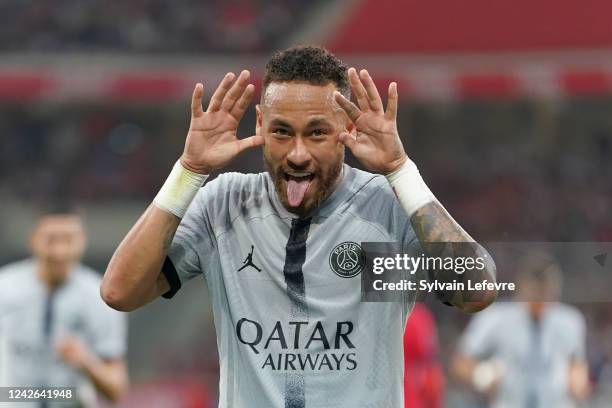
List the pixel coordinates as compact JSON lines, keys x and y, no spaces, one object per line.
{"x":478,"y":339}
{"x":108,"y":332}
{"x":193,"y":244}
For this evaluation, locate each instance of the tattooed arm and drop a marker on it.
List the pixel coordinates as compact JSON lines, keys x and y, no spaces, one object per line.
{"x":440,"y":235}
{"x":133,"y":277}
{"x":375,"y":142}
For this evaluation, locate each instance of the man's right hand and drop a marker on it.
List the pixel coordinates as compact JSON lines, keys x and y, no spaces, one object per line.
{"x":133,"y":277}
{"x":212,"y":141}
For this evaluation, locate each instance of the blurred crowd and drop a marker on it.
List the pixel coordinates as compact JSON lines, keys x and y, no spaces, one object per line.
{"x":519,"y":170}
{"x":148,"y":25}
{"x":508,"y":171}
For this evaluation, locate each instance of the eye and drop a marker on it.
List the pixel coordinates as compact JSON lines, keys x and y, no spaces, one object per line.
{"x":319,"y":132}
{"x":280,"y":132}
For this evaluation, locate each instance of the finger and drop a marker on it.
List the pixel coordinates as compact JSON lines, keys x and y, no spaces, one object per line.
{"x":249,"y":142}
{"x":217,"y":98}
{"x":243,"y":103}
{"x":348,"y":140}
{"x":349,"y":107}
{"x":391,"y":112}
{"x":372,"y":92}
{"x":235,"y":91}
{"x":358,"y":90}
{"x":196,"y":100}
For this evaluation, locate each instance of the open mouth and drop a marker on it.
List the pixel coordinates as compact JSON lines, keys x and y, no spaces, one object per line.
{"x":298,"y":176}
{"x":297,"y":186}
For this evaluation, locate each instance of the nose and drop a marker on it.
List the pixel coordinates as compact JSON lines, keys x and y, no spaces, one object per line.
{"x":60,"y":250}
{"x":299,"y":155}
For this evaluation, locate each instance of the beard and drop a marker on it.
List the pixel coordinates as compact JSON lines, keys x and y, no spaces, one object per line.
{"x":322,"y":185}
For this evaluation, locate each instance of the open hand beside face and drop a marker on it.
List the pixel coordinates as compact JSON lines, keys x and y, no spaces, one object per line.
{"x":212,"y":141}
{"x":376,"y":142}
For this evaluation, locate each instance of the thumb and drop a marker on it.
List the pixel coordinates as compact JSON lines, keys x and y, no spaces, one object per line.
{"x":348,"y":140}
{"x":249,"y":142}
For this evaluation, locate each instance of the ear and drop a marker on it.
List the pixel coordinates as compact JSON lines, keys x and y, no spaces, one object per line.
{"x":258,"y":119}
{"x":351,"y":128}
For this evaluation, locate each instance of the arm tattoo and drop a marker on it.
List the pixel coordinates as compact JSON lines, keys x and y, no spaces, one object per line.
{"x":432,"y":223}
{"x":438,"y":234}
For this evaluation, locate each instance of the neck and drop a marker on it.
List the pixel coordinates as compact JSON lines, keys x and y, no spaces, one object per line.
{"x":48,"y":277}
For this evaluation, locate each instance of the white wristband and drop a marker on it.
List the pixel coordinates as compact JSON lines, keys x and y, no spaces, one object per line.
{"x":410,"y":188}
{"x":178,"y":191}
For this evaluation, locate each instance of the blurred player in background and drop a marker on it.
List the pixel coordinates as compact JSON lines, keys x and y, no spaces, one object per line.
{"x":55,"y":331}
{"x":292,"y":330}
{"x":528,"y":353}
{"x":423,"y":375}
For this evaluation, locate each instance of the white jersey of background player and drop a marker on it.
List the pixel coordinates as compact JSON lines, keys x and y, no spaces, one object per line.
{"x":276,"y":247}
{"x":529,"y":352}
{"x":55,"y":331}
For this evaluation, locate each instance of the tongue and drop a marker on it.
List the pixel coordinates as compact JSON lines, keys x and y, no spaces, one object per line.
{"x":296,"y":191}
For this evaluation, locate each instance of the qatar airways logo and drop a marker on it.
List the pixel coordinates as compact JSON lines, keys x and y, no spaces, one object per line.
{"x":304,"y":345}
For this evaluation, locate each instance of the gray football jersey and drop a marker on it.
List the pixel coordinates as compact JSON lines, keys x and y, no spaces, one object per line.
{"x":33,"y":320}
{"x":535,"y":357}
{"x":286,"y":292}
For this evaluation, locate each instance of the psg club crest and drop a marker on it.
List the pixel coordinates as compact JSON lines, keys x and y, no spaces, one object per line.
{"x":347,"y":259}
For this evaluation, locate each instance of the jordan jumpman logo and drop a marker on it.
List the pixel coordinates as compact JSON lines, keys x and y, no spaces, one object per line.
{"x":249,"y":261}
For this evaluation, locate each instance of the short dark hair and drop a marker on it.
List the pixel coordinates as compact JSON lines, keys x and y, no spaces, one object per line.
{"x":53,"y":207}
{"x":307,"y":63}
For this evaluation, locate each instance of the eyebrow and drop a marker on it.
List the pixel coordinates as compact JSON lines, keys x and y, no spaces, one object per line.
{"x":279,"y":122}
{"x":318,"y":122}
{"x":312,"y":123}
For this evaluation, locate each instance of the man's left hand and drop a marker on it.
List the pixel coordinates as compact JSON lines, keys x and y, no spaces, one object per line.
{"x":376,"y":142}
{"x":72,"y":351}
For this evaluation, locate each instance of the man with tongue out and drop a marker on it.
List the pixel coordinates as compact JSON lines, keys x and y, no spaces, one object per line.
{"x":292,"y":330}
{"x":302,"y":153}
